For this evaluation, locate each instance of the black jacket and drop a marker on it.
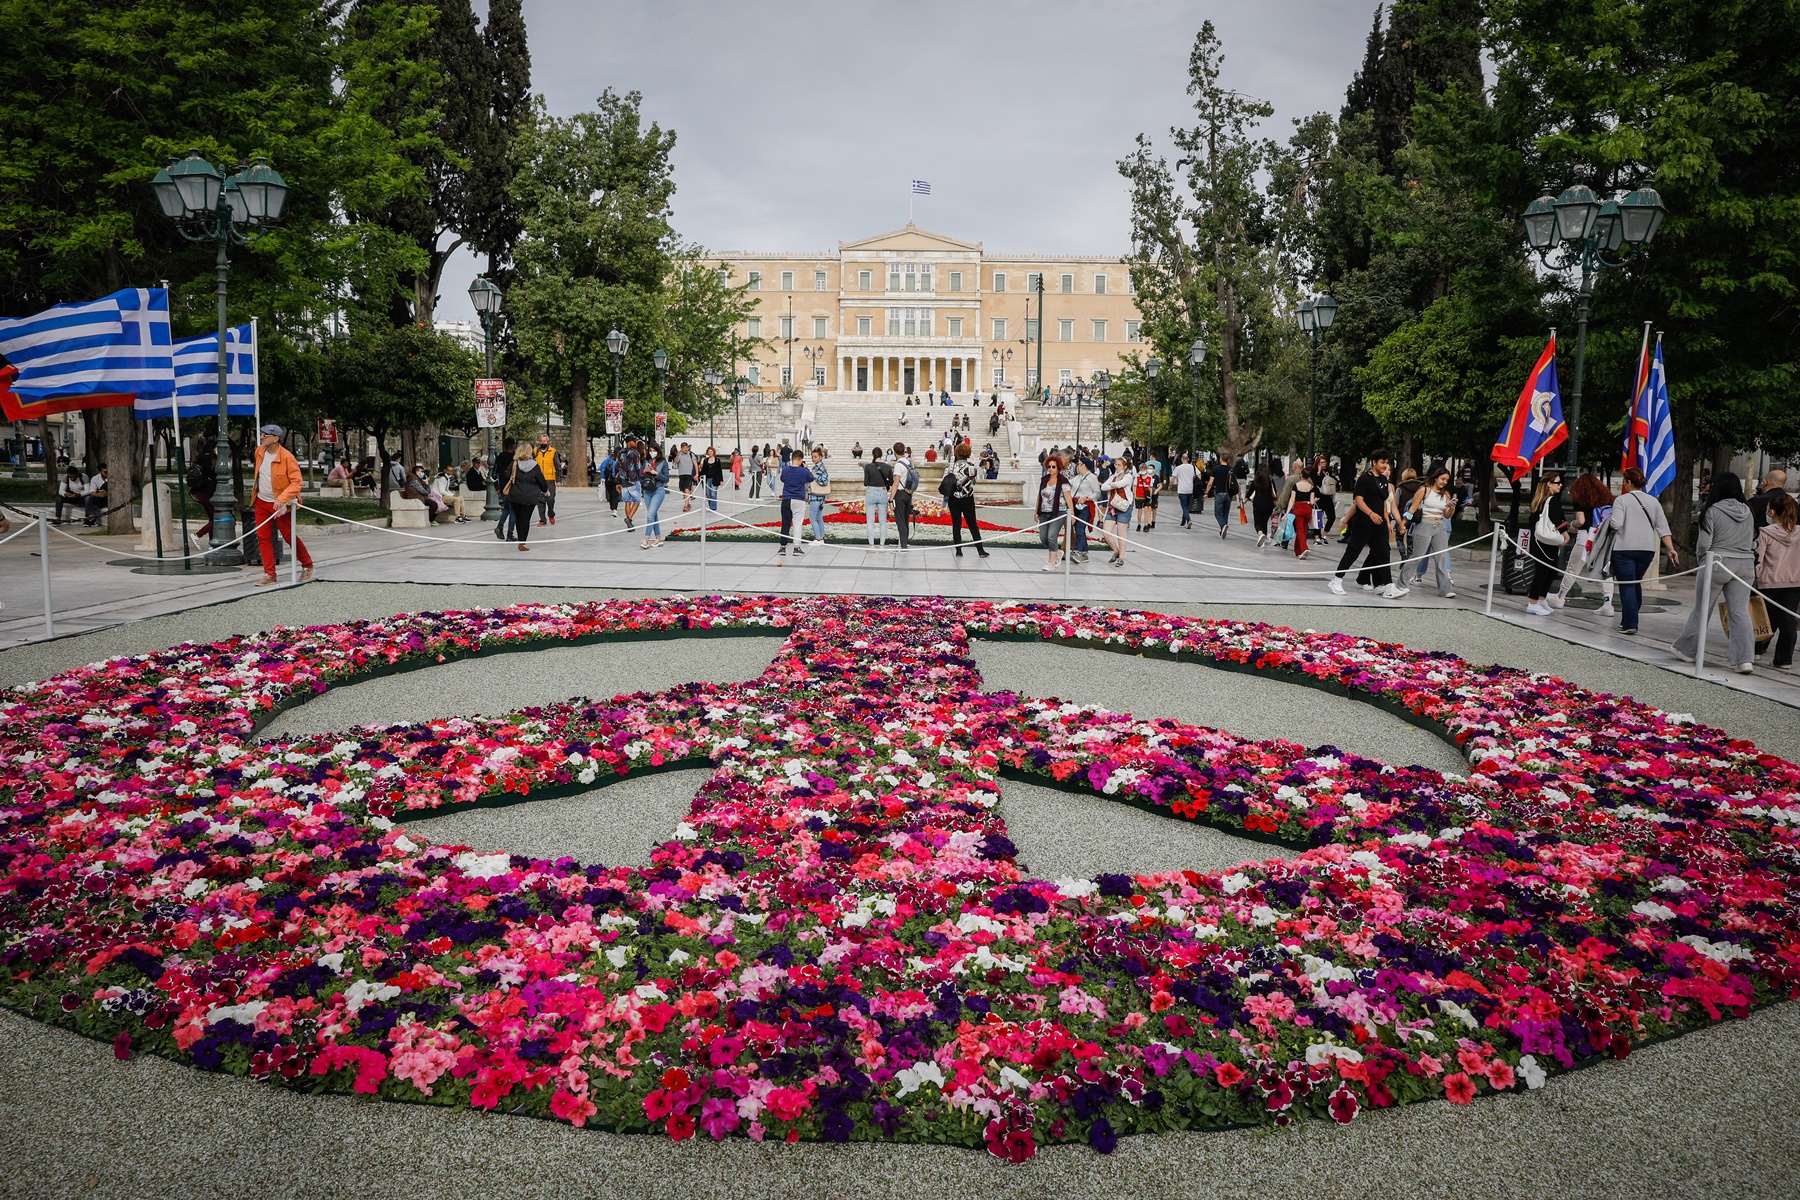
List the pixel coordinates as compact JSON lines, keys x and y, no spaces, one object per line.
{"x":527,"y":483}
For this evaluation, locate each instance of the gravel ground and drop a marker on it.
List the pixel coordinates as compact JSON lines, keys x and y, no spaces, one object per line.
{"x":1247,"y":705}
{"x":615,"y":825}
{"x":1706,"y":1115}
{"x":1709,"y":1115}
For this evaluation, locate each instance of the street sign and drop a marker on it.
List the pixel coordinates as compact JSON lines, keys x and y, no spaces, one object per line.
{"x":328,"y":431}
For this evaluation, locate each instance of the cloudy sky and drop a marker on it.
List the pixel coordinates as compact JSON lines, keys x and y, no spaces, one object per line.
{"x":800,"y":123}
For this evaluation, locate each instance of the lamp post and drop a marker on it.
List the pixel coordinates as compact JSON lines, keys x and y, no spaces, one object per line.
{"x":486,"y":297}
{"x":1003,"y":357}
{"x":1315,"y":317}
{"x":1152,"y":368}
{"x":1578,"y":229}
{"x":1040,"y":293}
{"x":815,"y":359}
{"x":1102,"y":382}
{"x":1196,"y":356}
{"x":713,"y":379}
{"x":618,"y":344}
{"x":206,"y":206}
{"x":737,"y":394}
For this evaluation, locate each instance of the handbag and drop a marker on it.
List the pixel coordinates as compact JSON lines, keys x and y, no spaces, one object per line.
{"x":1760,"y":628}
{"x":1243,"y":516}
{"x":1545,"y":530}
{"x":1287,"y":528}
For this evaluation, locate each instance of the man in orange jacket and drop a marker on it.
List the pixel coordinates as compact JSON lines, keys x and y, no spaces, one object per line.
{"x":277,"y":489}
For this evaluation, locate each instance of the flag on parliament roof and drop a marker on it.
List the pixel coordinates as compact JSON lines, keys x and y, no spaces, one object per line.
{"x":921,"y":188}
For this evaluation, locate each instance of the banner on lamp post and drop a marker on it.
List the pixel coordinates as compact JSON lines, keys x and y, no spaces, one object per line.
{"x":328,"y":431}
{"x":490,"y":403}
{"x":615,"y":418}
{"x":662,"y":427}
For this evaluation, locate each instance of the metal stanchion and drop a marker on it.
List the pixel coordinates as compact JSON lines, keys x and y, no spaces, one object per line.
{"x":1703,"y":598}
{"x":1068,"y":541}
{"x":1493,"y":568}
{"x":293,"y":543}
{"x":704,"y":522}
{"x":44,"y":555}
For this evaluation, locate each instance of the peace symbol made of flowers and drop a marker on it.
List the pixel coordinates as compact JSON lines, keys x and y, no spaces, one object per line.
{"x":838,"y":942}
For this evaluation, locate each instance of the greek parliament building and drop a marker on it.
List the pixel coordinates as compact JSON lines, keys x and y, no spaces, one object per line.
{"x":912,"y":311}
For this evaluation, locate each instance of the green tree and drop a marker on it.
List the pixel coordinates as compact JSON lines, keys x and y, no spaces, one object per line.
{"x":389,"y":379}
{"x":596,"y":246}
{"x":1701,"y":100}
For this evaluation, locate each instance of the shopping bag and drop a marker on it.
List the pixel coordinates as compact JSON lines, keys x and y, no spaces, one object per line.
{"x":1759,"y":619}
{"x":1243,"y":517}
{"x":1287,"y":528}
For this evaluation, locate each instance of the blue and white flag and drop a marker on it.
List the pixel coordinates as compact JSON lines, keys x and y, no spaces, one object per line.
{"x":1650,"y":434}
{"x":119,"y":343}
{"x":197,"y":377}
{"x":921,"y":188}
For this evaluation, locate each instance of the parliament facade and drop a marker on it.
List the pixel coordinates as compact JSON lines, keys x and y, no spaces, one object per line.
{"x":914,"y":312}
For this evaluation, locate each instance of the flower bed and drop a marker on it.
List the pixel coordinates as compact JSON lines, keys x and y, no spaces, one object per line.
{"x":838,"y":942}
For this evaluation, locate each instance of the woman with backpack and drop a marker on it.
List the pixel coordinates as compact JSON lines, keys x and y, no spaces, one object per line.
{"x":1728,"y":533}
{"x":524,"y":490}
{"x":1549,"y":532}
{"x":1262,"y":503}
{"x":958,"y":490}
{"x":906,"y":483}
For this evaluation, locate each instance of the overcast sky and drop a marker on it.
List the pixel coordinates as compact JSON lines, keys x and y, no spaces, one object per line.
{"x":800,"y":123}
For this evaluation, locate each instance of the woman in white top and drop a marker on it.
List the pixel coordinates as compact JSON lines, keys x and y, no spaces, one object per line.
{"x":1119,"y":487}
{"x":1434,"y":505}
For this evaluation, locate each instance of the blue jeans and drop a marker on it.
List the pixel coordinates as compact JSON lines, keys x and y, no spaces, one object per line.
{"x":1187,"y":504}
{"x":1222,"y":509}
{"x":712,"y":495}
{"x":504,"y":528}
{"x":1080,"y":517}
{"x":1628,"y":566}
{"x":653,"y":502}
{"x":875,"y":514}
{"x":815,"y":512}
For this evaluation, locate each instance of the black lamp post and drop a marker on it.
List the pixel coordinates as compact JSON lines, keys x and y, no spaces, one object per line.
{"x":486,"y":297}
{"x":737,"y":394}
{"x":1002,"y":357}
{"x":206,"y":206}
{"x":1196,"y":356}
{"x":1315,"y":317}
{"x":618,"y":344}
{"x":815,"y":358}
{"x":1579,"y":229}
{"x":1152,"y":368}
{"x":1102,"y":382}
{"x":713,"y":379}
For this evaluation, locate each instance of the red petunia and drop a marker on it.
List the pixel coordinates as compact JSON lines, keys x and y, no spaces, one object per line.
{"x":680,"y":1127}
{"x":1459,"y":1088}
{"x":1344,"y":1105}
{"x":1228,"y":1074}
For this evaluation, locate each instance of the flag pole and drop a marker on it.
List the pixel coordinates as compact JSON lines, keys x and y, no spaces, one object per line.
{"x":187,"y":539}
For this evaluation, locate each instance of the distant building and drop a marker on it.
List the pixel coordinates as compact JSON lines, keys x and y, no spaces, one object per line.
{"x":912,"y":311}
{"x":466,"y":333}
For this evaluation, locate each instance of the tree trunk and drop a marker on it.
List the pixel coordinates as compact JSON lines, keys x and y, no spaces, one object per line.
{"x":578,"y":423}
{"x":409,"y":449}
{"x":381,"y":466}
{"x":119,"y":449}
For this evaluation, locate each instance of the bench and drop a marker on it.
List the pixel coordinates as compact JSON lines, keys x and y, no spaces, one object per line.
{"x":407,"y":513}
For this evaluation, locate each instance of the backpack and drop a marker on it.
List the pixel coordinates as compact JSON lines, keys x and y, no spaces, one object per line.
{"x":911,"y":482}
{"x":948,"y":486}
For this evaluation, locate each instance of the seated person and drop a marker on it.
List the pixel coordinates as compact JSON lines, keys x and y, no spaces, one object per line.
{"x":443,"y":489}
{"x":72,"y":492}
{"x":95,"y":498}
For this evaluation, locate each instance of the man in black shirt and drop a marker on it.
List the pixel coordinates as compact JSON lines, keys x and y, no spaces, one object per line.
{"x":1370,"y":525}
{"x":1218,"y":486}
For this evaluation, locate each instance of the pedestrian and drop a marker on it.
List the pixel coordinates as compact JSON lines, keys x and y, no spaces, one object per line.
{"x":1727,"y":532}
{"x":1052,"y":508}
{"x":1433,"y":507}
{"x":610,"y":485}
{"x":1370,"y":529}
{"x":795,"y":479}
{"x":1084,"y":508}
{"x":524,"y":490}
{"x":554,"y":465}
{"x":1778,"y":572}
{"x":878,"y":480}
{"x":1637,"y":522}
{"x":959,"y":497}
{"x":1550,"y":524}
{"x":475,"y":481}
{"x":93,"y":497}
{"x":1773,"y":484}
{"x":772,"y":461}
{"x":73,"y":493}
{"x":685,"y":470}
{"x":817,"y":493}
{"x":653,"y":478}
{"x":712,"y":472}
{"x":905,"y":485}
{"x":631,"y":479}
{"x":1185,"y":476}
{"x":856,"y":451}
{"x":505,"y":529}
{"x":737,"y":469}
{"x":1117,"y":488}
{"x":1409,"y":486}
{"x":1593,"y":500}
{"x":1325,"y":482}
{"x":1218,"y":486}
{"x":757,"y":474}
{"x":278,"y":484}
{"x":1300,"y":510}
{"x":1262,"y":503}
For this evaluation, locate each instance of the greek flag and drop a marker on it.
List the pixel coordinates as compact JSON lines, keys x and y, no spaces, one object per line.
{"x":1652,"y":430}
{"x":119,"y":343}
{"x":197,"y":377}
{"x":921,"y":188}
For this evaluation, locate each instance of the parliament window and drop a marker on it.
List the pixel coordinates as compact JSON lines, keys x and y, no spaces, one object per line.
{"x":755,"y":374}
{"x":999,"y":329}
{"x":755,"y":283}
{"x":862,"y":326}
{"x":999,"y":281}
{"x":819,"y":327}
{"x":787,"y":281}
{"x":1131,"y":331}
{"x":787,"y":329}
{"x":893,"y":277}
{"x":755,"y":327}
{"x":1065,"y":331}
{"x":787,"y":377}
{"x":1099,"y":285}
{"x":818,"y":281}
{"x":863,"y":281}
{"x":1031,"y":330}
{"x":1068,"y":283}
{"x":1099,"y":331}
{"x":1032,"y":280}
{"x":1065,"y":377}
{"x":956,"y":281}
{"x":955,"y":324}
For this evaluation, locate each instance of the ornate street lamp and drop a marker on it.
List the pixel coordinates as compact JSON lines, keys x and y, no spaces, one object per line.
{"x":659,"y":358}
{"x":207,"y":207}
{"x":1315,"y":317}
{"x":618,"y":344}
{"x":1003,"y":357}
{"x":1578,"y":229}
{"x":486,"y":297}
{"x":1196,"y":356}
{"x":1152,"y":368}
{"x":737,"y":395}
{"x":815,"y":359}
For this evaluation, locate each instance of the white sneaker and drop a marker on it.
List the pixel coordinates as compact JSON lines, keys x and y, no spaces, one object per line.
{"x":1553,"y":601}
{"x":1392,"y":592}
{"x":1744,"y":668}
{"x":1448,"y":595}
{"x":1606,"y":610}
{"x":1367,"y":587}
{"x":1336,"y":585}
{"x":1678,"y":656}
